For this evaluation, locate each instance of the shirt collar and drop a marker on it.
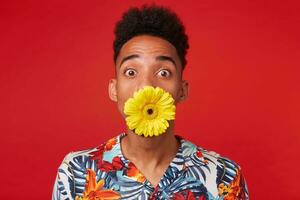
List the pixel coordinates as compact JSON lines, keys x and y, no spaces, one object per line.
{"x":185,"y":150}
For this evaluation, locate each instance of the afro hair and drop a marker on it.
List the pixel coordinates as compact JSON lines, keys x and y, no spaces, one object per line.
{"x":155,"y":21}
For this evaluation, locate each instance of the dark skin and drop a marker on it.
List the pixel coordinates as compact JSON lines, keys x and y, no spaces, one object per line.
{"x":152,"y":61}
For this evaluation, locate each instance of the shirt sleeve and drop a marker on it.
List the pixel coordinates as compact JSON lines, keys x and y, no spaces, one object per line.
{"x":237,"y":189}
{"x":64,"y":182}
{"x":243,"y":188}
{"x":231,"y":180}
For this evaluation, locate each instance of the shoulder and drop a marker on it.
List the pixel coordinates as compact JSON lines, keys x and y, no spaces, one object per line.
{"x":195,"y":152}
{"x":71,"y":173}
{"x":75,"y":162}
{"x":78,"y":156}
{"x":77,"y":159}
{"x":225,"y":173}
{"x":90,"y":158}
{"x":79,"y":167}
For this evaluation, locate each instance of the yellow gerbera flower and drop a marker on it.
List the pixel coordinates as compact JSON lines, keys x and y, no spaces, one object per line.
{"x":149,"y":110}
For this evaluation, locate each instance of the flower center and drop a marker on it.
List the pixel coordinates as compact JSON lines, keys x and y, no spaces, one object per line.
{"x":150,"y":111}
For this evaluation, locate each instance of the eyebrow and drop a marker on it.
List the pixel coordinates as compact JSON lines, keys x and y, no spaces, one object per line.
{"x":166,"y":58}
{"x":159,"y":58}
{"x":129,"y":58}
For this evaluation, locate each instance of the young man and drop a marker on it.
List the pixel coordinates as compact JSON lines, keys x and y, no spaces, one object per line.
{"x":150,"y":49}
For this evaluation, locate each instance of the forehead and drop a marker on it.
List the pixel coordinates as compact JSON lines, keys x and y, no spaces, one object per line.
{"x":147,"y":46}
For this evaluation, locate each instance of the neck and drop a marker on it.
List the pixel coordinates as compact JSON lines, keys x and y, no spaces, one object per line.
{"x":151,"y":150}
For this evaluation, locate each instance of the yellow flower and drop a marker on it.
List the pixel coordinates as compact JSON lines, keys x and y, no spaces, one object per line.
{"x":149,"y":110}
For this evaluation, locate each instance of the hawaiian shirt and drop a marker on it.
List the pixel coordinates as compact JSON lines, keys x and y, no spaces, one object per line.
{"x":104,"y":173}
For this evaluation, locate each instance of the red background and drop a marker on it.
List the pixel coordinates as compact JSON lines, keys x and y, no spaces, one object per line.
{"x":243,"y":70}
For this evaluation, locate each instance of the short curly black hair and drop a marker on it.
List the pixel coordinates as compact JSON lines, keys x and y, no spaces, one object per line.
{"x":151,"y":20}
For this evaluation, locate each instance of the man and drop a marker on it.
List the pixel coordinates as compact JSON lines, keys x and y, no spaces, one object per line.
{"x":149,"y":51}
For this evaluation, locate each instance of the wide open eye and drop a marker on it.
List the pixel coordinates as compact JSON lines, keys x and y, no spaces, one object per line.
{"x":164,"y":73}
{"x":130,"y":72}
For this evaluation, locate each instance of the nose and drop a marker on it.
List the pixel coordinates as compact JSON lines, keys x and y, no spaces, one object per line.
{"x":146,"y":80}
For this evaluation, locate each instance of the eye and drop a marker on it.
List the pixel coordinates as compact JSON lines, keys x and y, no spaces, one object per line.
{"x":164,"y":73}
{"x":130,"y":72}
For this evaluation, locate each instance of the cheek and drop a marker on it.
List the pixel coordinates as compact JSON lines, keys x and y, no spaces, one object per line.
{"x":173,"y":89}
{"x":176,"y":96}
{"x":120,"y":105}
{"x":124,"y":92}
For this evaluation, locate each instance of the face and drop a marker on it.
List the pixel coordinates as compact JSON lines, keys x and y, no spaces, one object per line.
{"x":147,"y":61}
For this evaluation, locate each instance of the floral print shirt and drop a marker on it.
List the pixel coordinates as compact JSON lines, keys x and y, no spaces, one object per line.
{"x":104,"y":173}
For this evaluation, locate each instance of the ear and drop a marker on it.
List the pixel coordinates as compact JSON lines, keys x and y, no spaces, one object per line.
{"x":112,"y":90}
{"x":184,"y":91}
